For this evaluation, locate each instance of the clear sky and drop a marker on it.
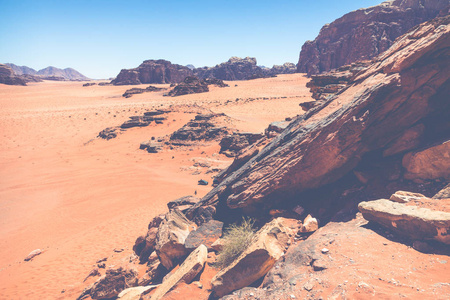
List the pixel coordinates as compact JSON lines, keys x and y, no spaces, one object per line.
{"x":99,"y":38}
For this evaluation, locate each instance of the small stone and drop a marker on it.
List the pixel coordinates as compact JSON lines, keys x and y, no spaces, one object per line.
{"x":325,"y":250}
{"x":33,"y":254}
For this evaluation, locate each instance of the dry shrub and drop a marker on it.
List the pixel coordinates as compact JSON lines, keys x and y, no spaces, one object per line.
{"x":236,"y":239}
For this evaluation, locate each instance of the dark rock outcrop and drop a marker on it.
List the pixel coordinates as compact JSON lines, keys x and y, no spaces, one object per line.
{"x":7,"y":76}
{"x":133,"y":91}
{"x":153,"y":71}
{"x":407,"y":85}
{"x":364,"y":33}
{"x":115,"y":281}
{"x":193,"y":85}
{"x":235,"y":68}
{"x":202,"y":128}
{"x":230,"y":145}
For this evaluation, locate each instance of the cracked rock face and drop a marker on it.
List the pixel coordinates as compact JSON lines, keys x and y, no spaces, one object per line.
{"x":364,"y":33}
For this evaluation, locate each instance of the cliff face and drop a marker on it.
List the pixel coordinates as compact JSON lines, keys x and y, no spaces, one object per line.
{"x":364,"y":33}
{"x":153,"y":71}
{"x":403,"y":90}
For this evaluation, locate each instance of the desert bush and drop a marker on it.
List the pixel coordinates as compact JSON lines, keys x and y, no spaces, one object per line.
{"x":237,"y":237}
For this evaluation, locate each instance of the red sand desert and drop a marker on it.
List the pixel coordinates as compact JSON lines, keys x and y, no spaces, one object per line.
{"x":78,"y":197}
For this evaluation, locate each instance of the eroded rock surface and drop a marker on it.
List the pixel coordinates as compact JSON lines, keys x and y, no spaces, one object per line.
{"x":364,"y":33}
{"x":412,"y":221}
{"x":152,"y":71}
{"x":268,"y":246}
{"x":405,"y":86}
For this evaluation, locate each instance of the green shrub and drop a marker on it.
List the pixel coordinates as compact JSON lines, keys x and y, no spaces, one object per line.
{"x":236,"y":239}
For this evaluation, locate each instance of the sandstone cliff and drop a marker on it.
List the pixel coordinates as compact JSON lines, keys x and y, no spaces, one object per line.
{"x":364,"y":33}
{"x":395,"y":105}
{"x":153,"y":71}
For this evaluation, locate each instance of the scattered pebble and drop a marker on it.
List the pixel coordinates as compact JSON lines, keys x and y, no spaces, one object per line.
{"x":325,"y":250}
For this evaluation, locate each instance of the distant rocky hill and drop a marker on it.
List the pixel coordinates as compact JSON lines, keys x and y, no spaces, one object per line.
{"x":7,"y":76}
{"x":364,"y":33}
{"x":237,"y":68}
{"x":50,"y":73}
{"x":153,"y":71}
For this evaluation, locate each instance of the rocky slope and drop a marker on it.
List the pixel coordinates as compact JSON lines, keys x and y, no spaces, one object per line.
{"x":48,"y":73}
{"x":364,"y":33}
{"x":389,"y":115}
{"x":153,"y":71}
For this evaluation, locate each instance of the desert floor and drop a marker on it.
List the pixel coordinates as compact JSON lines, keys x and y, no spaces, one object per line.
{"x":78,"y":197}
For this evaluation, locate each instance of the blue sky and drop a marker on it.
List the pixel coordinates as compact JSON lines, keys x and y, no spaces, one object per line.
{"x":99,"y":38}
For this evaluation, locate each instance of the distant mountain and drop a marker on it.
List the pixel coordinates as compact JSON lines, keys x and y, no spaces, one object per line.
{"x":22,"y":70}
{"x":192,"y":67}
{"x":7,"y":76}
{"x":49,"y":72}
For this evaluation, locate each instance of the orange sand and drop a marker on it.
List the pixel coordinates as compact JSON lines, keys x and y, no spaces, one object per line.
{"x":78,"y":197}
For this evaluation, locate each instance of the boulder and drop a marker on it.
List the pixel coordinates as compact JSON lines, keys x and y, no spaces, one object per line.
{"x":267,"y":247}
{"x":233,"y":143}
{"x":151,"y":146}
{"x":205,"y":234}
{"x":411,"y":221}
{"x":113,"y":282}
{"x":144,"y":246}
{"x":182,"y":202}
{"x":430,"y":163}
{"x":202,"y":182}
{"x":188,"y":270}
{"x":135,"y":293}
{"x":171,"y":236}
{"x":444,"y":193}
{"x":108,"y":133}
{"x":154,"y":274}
{"x":310,"y":224}
{"x":33,"y":254}
{"x":152,"y":71}
{"x":364,"y":33}
{"x":403,"y":197}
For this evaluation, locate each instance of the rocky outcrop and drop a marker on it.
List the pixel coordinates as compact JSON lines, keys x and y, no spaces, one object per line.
{"x":404,"y":197}
{"x":7,"y":76}
{"x":172,"y":233}
{"x":190,"y":85}
{"x":268,"y":246}
{"x":230,"y":145}
{"x":405,"y":86}
{"x":364,"y":33}
{"x":205,"y":234}
{"x":193,"y":85}
{"x":188,"y":270}
{"x":113,"y":282}
{"x":428,"y":164}
{"x":152,"y":71}
{"x":134,"y":91}
{"x":235,"y":68}
{"x":33,"y":254}
{"x":202,"y":128}
{"x":412,"y":221}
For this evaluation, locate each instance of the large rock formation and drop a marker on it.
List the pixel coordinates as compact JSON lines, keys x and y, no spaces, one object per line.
{"x":153,"y":71}
{"x":235,"y":68}
{"x":364,"y":33}
{"x":7,"y":76}
{"x":406,"y":86}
